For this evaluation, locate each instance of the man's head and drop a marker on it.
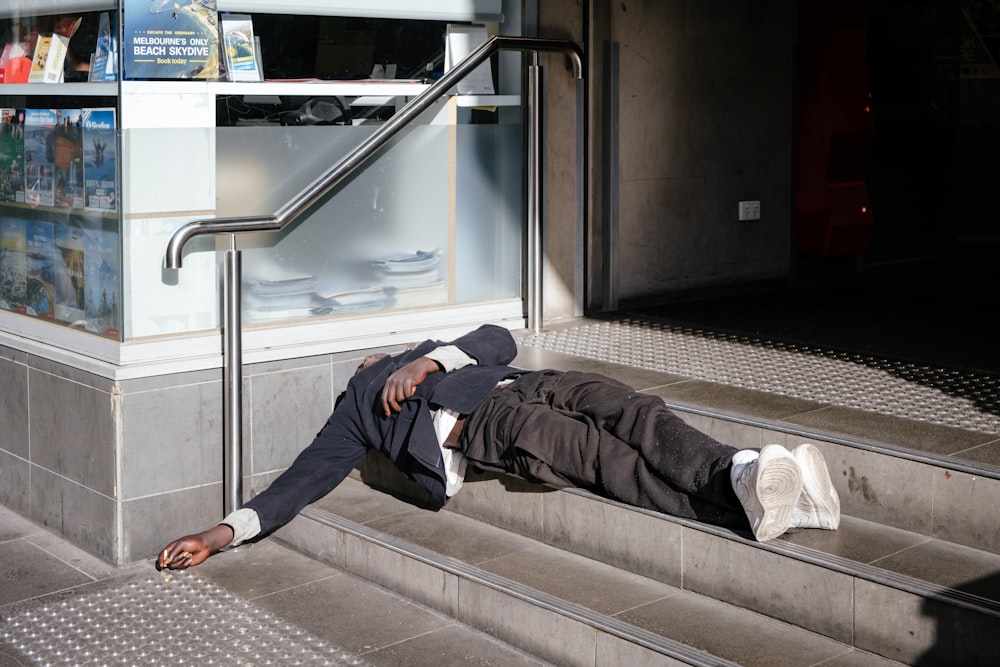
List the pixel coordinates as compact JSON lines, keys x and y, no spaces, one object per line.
{"x":369,"y":360}
{"x":365,"y":363}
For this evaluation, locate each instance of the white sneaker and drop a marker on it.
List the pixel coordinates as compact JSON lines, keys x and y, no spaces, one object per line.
{"x":819,"y":504}
{"x":768,"y":488}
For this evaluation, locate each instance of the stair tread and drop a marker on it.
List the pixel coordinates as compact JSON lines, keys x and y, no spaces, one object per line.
{"x":647,"y":604}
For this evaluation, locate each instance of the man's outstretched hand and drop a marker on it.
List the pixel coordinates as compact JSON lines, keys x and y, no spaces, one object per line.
{"x":403,"y":383}
{"x":192,"y":550}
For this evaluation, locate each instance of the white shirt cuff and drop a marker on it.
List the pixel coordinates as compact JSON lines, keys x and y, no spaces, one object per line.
{"x":450,"y":357}
{"x":245,"y":524}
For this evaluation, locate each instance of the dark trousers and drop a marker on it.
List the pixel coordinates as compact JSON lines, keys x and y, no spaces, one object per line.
{"x":588,"y":431}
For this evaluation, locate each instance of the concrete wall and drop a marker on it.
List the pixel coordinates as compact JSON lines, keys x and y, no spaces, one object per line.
{"x":120,"y":467}
{"x":58,"y":448}
{"x":706,"y":120}
{"x":562,"y":158}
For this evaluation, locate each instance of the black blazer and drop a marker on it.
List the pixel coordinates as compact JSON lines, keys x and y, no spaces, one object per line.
{"x":407,"y":438}
{"x":358,"y":425}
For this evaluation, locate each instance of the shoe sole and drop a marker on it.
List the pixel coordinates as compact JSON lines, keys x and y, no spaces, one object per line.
{"x":778,"y":485}
{"x":818,"y":486}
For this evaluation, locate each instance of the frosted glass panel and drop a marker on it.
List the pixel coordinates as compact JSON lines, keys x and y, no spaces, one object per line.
{"x":489,"y":213}
{"x":379,"y":241}
{"x":433,"y":219}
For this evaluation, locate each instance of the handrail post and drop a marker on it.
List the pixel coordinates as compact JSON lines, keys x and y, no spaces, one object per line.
{"x":534,"y":194}
{"x":232,"y":457}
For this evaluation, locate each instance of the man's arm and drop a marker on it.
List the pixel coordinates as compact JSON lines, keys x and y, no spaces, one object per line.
{"x":192,"y":550}
{"x":403,"y":383}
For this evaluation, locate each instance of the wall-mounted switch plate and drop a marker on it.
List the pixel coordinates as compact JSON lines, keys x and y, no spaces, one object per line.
{"x":750,"y":210}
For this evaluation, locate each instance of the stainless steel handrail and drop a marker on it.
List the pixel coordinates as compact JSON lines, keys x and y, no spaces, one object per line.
{"x":232,"y":344}
{"x":338,"y":172}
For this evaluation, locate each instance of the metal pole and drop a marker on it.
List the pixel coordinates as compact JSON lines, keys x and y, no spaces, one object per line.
{"x":610,"y":131}
{"x":232,"y":457}
{"x":534,"y":194}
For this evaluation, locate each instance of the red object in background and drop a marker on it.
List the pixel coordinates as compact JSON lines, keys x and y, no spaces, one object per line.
{"x":17,"y":70}
{"x":835,"y":129}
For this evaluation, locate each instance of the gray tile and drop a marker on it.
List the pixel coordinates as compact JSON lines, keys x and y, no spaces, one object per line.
{"x":537,"y":630}
{"x":916,"y":630}
{"x":613,"y":650}
{"x":70,"y":374}
{"x":170,"y":381}
{"x":857,"y":540}
{"x":150,"y":523}
{"x":964,"y":509}
{"x":607,"y":590}
{"x":858,"y":658}
{"x":14,"y":408}
{"x":733,"y":400}
{"x":264,"y":569}
{"x":950,"y":565}
{"x":734,"y":434}
{"x":503,"y":501}
{"x":987,"y":453}
{"x":173,"y":439}
{"x":15,"y":356}
{"x":26,"y":571}
{"x":72,"y":431}
{"x":286,"y":365}
{"x":78,"y":559}
{"x":13,"y":525}
{"x":353,"y":613}
{"x":356,"y":501}
{"x":452,"y":535}
{"x":882,"y":488}
{"x":880,"y":428}
{"x":303,"y":534}
{"x":452,"y":645}
{"x":15,"y":480}
{"x":638,"y":541}
{"x":288,"y":409}
{"x":733,"y":634}
{"x":86,"y":518}
{"x":419,"y":581}
{"x":769,"y":583}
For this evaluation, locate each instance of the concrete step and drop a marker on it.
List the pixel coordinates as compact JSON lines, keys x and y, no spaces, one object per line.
{"x":646,"y":605}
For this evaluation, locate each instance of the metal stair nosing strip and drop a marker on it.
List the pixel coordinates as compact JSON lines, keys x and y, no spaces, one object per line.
{"x":871,"y":573}
{"x":601,"y":622}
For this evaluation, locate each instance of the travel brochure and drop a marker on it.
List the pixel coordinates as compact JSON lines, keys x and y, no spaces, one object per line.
{"x":162,"y":39}
{"x":61,"y":269}
{"x":171,"y":39}
{"x":59,"y":254}
{"x":59,"y":158}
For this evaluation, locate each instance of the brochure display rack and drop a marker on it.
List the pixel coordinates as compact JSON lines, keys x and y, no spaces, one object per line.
{"x":163,"y":112}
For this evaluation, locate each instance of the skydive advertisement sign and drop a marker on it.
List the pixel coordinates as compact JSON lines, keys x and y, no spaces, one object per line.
{"x":171,"y":39}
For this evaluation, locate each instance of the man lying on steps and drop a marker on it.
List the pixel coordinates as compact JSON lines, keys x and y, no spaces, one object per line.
{"x":440,"y":407}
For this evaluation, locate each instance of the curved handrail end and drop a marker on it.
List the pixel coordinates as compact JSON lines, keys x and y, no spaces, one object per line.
{"x":173,"y":257}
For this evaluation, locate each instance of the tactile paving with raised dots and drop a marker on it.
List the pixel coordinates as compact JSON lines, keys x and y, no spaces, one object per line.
{"x":164,"y":619}
{"x":941,"y":396}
